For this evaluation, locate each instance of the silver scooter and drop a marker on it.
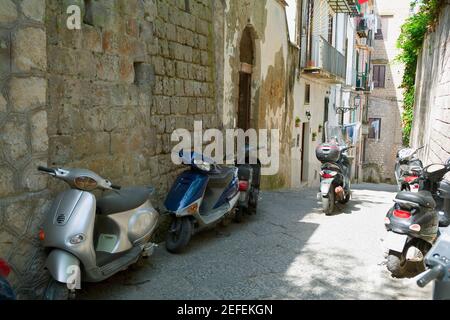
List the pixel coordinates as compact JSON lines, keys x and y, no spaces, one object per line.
{"x":91,"y":239}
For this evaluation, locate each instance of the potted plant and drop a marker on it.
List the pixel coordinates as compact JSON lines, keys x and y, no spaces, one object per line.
{"x":297,"y":122}
{"x":314,"y":135}
{"x":320,"y":128}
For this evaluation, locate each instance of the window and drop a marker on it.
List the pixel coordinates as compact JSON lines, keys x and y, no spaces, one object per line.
{"x":307,"y":93}
{"x":374,"y":128}
{"x":379,"y":73}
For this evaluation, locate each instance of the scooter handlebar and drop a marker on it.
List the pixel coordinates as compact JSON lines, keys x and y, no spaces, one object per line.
{"x":433,"y":274}
{"x":45,"y":169}
{"x":115,"y":186}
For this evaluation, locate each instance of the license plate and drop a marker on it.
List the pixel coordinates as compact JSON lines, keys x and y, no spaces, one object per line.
{"x":395,"y":241}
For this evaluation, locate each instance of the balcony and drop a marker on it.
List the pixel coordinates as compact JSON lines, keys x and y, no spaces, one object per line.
{"x":326,"y":62}
{"x":363,"y":82}
{"x":351,"y":7}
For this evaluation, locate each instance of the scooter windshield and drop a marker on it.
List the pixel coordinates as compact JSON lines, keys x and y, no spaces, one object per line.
{"x":189,"y":157}
{"x":333,"y":134}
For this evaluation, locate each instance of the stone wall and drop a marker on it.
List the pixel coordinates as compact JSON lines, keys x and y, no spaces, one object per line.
{"x":106,"y":97}
{"x":431,"y":127}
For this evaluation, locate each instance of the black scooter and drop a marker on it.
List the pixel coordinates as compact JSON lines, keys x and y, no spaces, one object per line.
{"x":413,"y":222}
{"x":249,"y":175}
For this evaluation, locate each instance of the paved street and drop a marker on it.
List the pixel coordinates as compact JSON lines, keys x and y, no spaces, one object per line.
{"x":289,"y":250}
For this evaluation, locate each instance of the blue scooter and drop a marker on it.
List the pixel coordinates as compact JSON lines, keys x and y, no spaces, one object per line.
{"x":200,"y":197}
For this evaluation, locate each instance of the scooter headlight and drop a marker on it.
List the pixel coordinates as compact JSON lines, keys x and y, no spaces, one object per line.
{"x":85,"y":183}
{"x":202,"y":165}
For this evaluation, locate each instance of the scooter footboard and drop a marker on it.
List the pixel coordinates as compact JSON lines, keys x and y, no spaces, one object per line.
{"x":63,"y":266}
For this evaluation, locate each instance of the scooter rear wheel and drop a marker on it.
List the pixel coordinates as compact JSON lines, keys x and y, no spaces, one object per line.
{"x":399,"y":267}
{"x":328,"y":203}
{"x":179,"y":235}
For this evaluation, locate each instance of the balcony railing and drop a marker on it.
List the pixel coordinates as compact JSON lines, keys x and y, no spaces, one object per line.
{"x":363,"y":81}
{"x":351,"y":7}
{"x":326,"y":61}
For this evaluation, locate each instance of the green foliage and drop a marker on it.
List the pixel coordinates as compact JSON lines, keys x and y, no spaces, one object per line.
{"x":410,"y":43}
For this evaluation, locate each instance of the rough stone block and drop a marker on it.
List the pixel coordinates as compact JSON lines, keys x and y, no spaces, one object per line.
{"x":126,"y":70}
{"x":34,"y":9}
{"x":92,"y":39}
{"x":202,"y":27}
{"x":2,"y":104}
{"x":150,"y":10}
{"x":61,"y":150}
{"x":5,"y":47}
{"x":8,"y":11}
{"x":108,"y":67}
{"x":85,"y":63}
{"x":27,"y":93}
{"x":201,"y":105}
{"x":14,"y":137}
{"x":171,"y":32}
{"x":182,"y":70}
{"x":39,"y":136}
{"x":179,"y":87}
{"x":29,"y":49}
{"x":6,"y":186}
{"x":169,"y":86}
{"x":32,"y":179}
{"x":162,"y":105}
{"x":146,"y":32}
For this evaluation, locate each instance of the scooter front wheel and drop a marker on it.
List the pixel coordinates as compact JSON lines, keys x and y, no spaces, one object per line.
{"x":179,"y":234}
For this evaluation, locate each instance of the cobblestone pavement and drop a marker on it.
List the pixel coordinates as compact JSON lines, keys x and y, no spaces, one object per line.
{"x":289,"y":250}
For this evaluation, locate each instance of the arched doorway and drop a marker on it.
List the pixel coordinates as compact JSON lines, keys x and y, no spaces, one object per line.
{"x":245,"y":79}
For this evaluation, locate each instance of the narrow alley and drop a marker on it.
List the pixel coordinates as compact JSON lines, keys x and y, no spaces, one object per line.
{"x":289,"y":250}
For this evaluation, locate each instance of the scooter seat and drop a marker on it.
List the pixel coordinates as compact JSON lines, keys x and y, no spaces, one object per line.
{"x":123,"y":200}
{"x":422,"y":198}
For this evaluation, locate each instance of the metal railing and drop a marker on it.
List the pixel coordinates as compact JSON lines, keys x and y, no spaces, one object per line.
{"x":327,"y":57}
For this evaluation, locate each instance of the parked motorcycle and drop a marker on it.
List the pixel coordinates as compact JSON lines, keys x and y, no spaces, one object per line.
{"x":412,"y":223}
{"x":91,"y":239}
{"x":335,"y":170}
{"x":200,"y":197}
{"x":249,"y":175}
{"x":406,"y":164}
{"x":6,"y":291}
{"x":437,"y":261}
